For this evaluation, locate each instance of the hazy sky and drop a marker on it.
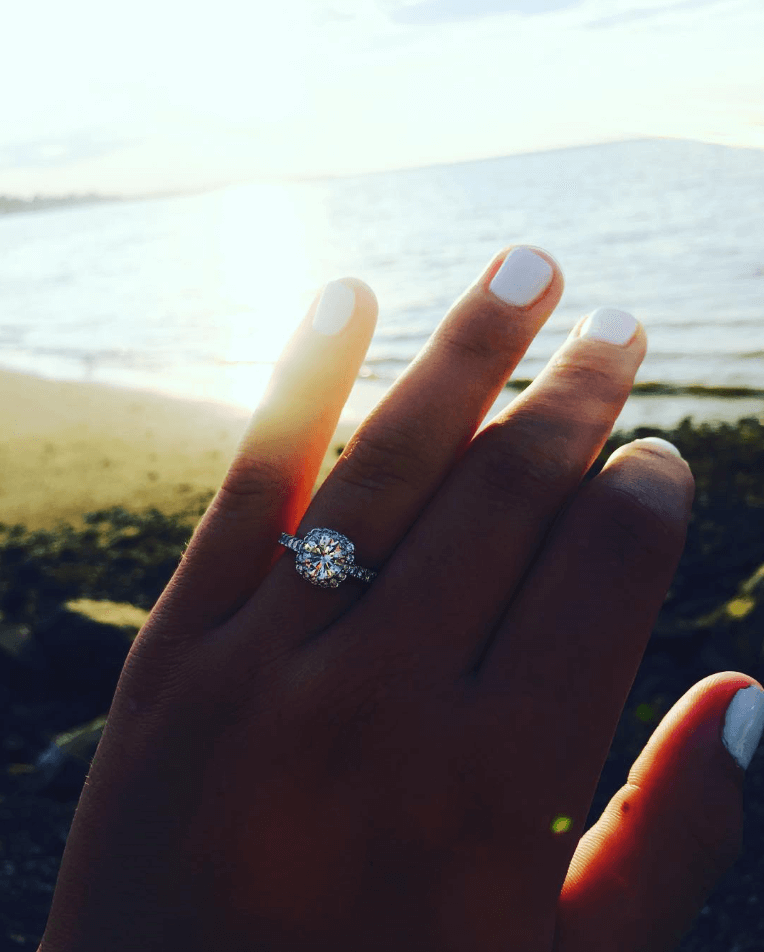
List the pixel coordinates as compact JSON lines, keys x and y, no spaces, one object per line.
{"x":159,"y":95}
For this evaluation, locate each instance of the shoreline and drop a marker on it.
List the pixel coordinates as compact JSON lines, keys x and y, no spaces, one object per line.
{"x":72,"y":447}
{"x":67,"y":448}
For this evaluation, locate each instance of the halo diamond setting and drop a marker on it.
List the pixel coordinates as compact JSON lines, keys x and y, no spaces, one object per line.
{"x":325,"y":557}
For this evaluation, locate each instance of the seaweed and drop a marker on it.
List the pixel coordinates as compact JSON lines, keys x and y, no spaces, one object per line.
{"x":712,"y":619}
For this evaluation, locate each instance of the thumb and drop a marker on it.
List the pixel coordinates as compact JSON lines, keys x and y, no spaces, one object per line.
{"x":642,"y":873}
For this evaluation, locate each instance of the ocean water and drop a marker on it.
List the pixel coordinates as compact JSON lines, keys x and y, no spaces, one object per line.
{"x":196,"y":295}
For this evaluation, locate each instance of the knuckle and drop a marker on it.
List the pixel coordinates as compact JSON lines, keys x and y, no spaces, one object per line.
{"x":253,"y":478}
{"x":482,"y":335}
{"x":481,"y":344}
{"x":528,"y":463}
{"x":634,"y":530}
{"x":581,"y":376}
{"x":646,"y":496}
{"x":391,"y":455}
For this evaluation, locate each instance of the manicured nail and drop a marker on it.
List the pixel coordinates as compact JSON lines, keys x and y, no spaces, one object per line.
{"x":611,"y":325}
{"x":743,"y":724}
{"x":334,"y":308}
{"x":522,"y":278}
{"x":661,"y":444}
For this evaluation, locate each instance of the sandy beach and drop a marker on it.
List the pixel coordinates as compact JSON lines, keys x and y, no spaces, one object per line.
{"x":68,"y":448}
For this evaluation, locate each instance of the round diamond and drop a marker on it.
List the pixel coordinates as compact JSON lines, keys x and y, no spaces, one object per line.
{"x":325,"y":557}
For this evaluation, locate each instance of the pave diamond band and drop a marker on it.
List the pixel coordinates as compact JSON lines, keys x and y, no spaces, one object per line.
{"x":325,"y":557}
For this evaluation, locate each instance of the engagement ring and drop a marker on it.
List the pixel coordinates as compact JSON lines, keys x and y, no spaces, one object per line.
{"x":325,"y":557}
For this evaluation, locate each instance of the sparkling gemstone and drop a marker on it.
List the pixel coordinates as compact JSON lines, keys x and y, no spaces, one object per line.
{"x":325,"y":557}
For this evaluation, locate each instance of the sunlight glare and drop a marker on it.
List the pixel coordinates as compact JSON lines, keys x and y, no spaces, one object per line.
{"x":269,"y":272}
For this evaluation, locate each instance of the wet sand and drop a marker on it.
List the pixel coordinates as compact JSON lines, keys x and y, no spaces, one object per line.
{"x":68,"y":448}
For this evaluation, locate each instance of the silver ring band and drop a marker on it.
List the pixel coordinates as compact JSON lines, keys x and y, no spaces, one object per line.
{"x":325,"y":558}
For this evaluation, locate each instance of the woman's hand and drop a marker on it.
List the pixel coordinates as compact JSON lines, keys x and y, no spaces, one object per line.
{"x":408,"y":765}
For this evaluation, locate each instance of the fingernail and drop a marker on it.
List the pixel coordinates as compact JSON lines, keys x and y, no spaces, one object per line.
{"x":743,"y":724}
{"x":611,"y":325}
{"x":334,"y":308}
{"x":660,"y":443}
{"x":522,"y":278}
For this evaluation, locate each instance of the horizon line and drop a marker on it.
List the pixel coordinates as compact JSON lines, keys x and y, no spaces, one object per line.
{"x":94,"y":196}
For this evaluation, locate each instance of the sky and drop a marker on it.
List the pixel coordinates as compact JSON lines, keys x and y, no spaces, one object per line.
{"x":163,"y":96}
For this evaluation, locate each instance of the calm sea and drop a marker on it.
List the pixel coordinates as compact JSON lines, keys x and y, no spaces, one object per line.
{"x":196,"y":295}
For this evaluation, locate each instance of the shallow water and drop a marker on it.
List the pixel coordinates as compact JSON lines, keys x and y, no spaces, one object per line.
{"x":196,"y":295}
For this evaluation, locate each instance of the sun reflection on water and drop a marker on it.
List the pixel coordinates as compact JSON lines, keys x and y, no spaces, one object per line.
{"x":268,"y":242}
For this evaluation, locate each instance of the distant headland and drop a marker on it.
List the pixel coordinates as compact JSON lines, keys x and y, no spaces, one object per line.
{"x":10,"y":204}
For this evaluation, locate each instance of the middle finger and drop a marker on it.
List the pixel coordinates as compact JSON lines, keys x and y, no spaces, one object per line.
{"x":402,"y":452}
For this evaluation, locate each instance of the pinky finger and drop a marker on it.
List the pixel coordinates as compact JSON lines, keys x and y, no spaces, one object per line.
{"x":269,"y":483}
{"x":642,"y":873}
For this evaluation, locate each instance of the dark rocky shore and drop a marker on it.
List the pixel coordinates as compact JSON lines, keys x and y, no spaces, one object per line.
{"x":72,"y":600}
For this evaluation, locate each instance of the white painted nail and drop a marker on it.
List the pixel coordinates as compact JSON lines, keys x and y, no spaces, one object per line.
{"x":522,"y":278}
{"x":334,"y":308}
{"x":611,"y":325}
{"x":743,"y":724}
{"x":661,"y":444}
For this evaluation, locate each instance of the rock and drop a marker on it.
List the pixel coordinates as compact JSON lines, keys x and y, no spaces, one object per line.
{"x":122,"y":615}
{"x":13,"y":638}
{"x":80,"y":647}
{"x":61,"y":768}
{"x":60,"y":672}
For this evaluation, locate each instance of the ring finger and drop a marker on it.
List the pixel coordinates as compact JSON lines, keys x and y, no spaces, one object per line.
{"x":399,"y":457}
